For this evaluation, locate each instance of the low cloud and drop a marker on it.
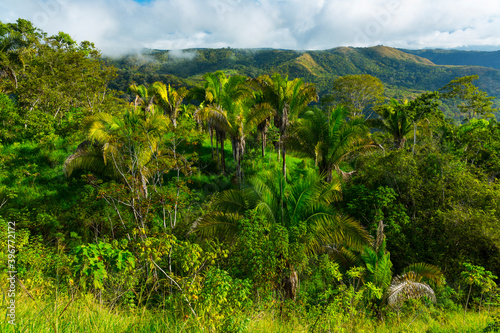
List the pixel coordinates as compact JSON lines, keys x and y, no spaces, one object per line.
{"x":119,"y":26}
{"x":183,"y":55}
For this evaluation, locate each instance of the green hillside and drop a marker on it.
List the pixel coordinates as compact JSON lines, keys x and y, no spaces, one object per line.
{"x":461,"y":58}
{"x":402,"y":73}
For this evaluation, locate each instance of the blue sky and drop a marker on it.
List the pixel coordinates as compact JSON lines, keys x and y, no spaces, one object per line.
{"x":118,"y":26}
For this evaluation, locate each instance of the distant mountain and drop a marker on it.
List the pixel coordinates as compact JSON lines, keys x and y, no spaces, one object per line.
{"x":461,"y":58}
{"x":404,"y":73}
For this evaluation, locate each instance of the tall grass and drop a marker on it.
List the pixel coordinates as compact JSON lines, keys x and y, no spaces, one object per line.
{"x":84,"y":314}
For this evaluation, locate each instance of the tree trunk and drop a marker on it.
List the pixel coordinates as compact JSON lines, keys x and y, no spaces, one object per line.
{"x":238,"y":165}
{"x":223,"y":155}
{"x":284,"y":159}
{"x":414,"y":138}
{"x":262,"y":127}
{"x":290,"y":285}
{"x":263,"y":135}
{"x":217,"y":139}
{"x":329,"y":175}
{"x":325,"y":171}
{"x":399,"y":142}
{"x":210,"y":131}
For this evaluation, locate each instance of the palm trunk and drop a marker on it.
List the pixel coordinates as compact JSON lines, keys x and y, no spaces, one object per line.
{"x":210,"y":131}
{"x":326,"y":171}
{"x":262,"y":127}
{"x":263,"y":135}
{"x":223,"y":155}
{"x":414,"y":138}
{"x":284,"y":159}
{"x":329,"y":175}
{"x":217,"y":139}
{"x":238,"y":164}
{"x":290,"y":285}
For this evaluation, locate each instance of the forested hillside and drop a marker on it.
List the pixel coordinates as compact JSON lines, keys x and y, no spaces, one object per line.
{"x":460,"y":58}
{"x":403,"y":73}
{"x":245,"y":190}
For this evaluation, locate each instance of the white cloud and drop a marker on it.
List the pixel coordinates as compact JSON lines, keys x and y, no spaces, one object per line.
{"x":119,"y":25}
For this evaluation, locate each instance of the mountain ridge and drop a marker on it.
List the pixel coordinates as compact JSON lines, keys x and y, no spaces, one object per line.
{"x":403,"y":73}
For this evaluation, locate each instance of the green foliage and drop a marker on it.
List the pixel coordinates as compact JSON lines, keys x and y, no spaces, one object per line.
{"x":446,"y":204}
{"x":359,"y":93}
{"x":222,"y":298}
{"x":146,"y":227}
{"x":494,"y":326}
{"x":95,"y":263}
{"x":330,"y":139}
{"x":478,"y":276}
{"x":378,"y":266}
{"x":396,"y":120}
{"x":287,"y":99}
{"x":381,"y":204}
{"x":260,"y":252}
{"x":474,"y":102}
{"x":476,"y":142}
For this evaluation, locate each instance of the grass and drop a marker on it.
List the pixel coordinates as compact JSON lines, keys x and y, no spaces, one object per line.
{"x":84,"y":314}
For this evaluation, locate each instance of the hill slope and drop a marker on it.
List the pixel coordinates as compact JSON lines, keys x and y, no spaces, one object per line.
{"x":403,"y":73}
{"x":461,"y":58}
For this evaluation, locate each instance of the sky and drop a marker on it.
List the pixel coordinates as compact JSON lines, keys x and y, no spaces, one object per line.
{"x":120,"y":26}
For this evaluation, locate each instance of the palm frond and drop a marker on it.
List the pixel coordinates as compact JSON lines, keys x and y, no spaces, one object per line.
{"x":344,"y":257}
{"x":331,"y":228}
{"x":405,"y":287}
{"x":425,"y":271}
{"x":88,"y":157}
{"x":217,"y":224}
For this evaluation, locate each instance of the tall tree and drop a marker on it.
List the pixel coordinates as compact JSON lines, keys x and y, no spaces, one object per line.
{"x":52,"y":77}
{"x":223,"y":103}
{"x":17,"y":44}
{"x":123,"y":146}
{"x":396,"y":120}
{"x":143,"y":96}
{"x":399,"y":118}
{"x":126,"y":148}
{"x":474,"y":102}
{"x":169,"y":99}
{"x":261,"y":103}
{"x":237,"y":119}
{"x":358,"y":92}
{"x":287,"y":99}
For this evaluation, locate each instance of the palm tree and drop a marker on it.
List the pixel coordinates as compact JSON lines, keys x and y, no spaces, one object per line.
{"x":260,"y":103}
{"x":396,"y":120}
{"x":287,"y":99}
{"x":143,"y":96}
{"x":120,"y":147}
{"x":223,"y":108}
{"x":237,"y":120}
{"x":169,"y":99}
{"x":306,"y":203}
{"x":329,"y":139}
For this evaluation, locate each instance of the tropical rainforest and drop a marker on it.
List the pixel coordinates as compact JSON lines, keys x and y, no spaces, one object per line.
{"x":346,"y":190}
